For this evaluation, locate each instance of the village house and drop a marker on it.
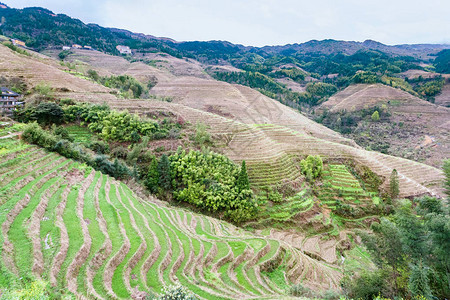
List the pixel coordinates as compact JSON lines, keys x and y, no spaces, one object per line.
{"x":76,"y":46}
{"x":123,"y":49}
{"x":87,"y":48}
{"x":9,"y":100}
{"x":66,"y":47}
{"x":16,"y":42}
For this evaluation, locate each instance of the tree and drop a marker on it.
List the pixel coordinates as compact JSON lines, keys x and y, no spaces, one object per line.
{"x":385,"y":245}
{"x":165,"y":178}
{"x":446,"y":168}
{"x":48,"y":113}
{"x":312,"y":167}
{"x":152,"y":182}
{"x":418,"y":281}
{"x":394,"y":185}
{"x":375,"y":116}
{"x":242,"y":181}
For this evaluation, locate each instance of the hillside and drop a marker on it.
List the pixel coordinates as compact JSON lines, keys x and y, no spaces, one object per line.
{"x":251,"y":126}
{"x":130,"y":244}
{"x":424,"y":125}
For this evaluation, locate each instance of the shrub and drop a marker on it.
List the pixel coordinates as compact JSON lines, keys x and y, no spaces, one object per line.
{"x":202,"y":137}
{"x":63,"y":54}
{"x":298,"y":290}
{"x":367,"y":286}
{"x":61,"y":132}
{"x":311,"y":167}
{"x":44,"y":90}
{"x":116,"y":126}
{"x":119,"y":152}
{"x":48,"y":113}
{"x":375,"y":116}
{"x":99,"y":146}
{"x":176,"y":292}
{"x":34,"y":134}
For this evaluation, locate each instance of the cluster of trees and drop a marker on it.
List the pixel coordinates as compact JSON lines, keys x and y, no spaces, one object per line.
{"x":315,"y":92}
{"x":442,"y":62}
{"x":207,"y":180}
{"x":430,"y":89}
{"x":311,"y":167}
{"x":55,"y":141}
{"x":128,"y":86}
{"x":410,"y":249}
{"x":293,"y":73}
{"x":40,"y":28}
{"x":111,"y":125}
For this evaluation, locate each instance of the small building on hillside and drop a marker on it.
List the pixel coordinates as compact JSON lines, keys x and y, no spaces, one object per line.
{"x":66,"y":48}
{"x":76,"y":46}
{"x":87,"y":48}
{"x":17,"y":42}
{"x":9,"y":100}
{"x":123,"y":49}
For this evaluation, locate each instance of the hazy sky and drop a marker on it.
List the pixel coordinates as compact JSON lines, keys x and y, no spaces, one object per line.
{"x":266,"y":22}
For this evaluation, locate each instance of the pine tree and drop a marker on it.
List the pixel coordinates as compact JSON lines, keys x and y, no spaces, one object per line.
{"x":243,"y":182}
{"x":152,"y":182}
{"x":394,"y":185}
{"x":418,"y":281}
{"x":165,"y":179}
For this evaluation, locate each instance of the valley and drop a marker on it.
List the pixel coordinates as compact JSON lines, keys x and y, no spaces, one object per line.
{"x":217,"y":170}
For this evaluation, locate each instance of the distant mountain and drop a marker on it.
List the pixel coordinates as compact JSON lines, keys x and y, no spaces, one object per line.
{"x":40,"y":28}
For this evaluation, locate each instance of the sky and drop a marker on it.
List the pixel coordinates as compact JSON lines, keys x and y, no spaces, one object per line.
{"x":266,"y":22}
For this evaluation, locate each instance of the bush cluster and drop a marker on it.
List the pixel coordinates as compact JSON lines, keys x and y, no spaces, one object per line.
{"x":208,"y":180}
{"x":312,"y":167}
{"x":34,"y":134}
{"x":118,"y":126}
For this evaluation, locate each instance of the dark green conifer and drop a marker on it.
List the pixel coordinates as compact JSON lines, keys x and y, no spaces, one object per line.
{"x":243,"y":182}
{"x":165,"y":179}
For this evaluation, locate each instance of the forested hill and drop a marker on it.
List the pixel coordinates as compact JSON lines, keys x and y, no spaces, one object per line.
{"x":40,"y":28}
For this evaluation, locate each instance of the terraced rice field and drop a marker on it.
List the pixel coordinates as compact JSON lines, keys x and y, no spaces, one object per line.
{"x":341,"y":184}
{"x":83,"y":231}
{"x":271,"y":150}
{"x":79,"y":133}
